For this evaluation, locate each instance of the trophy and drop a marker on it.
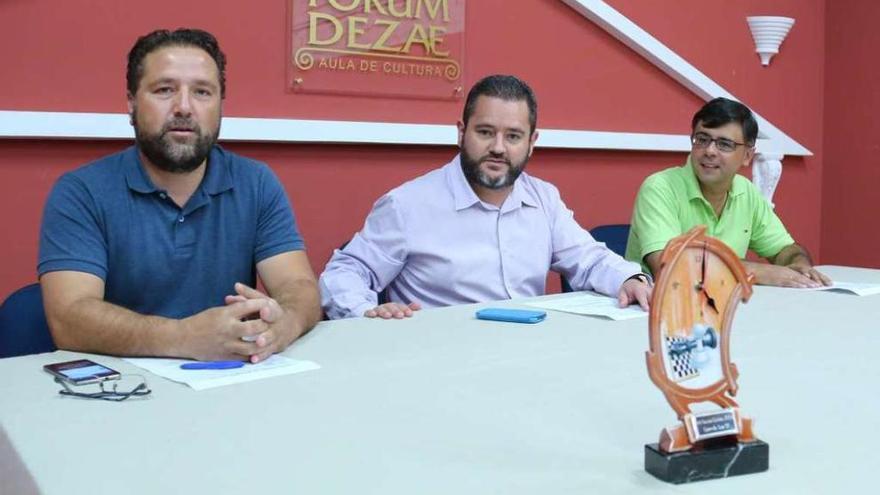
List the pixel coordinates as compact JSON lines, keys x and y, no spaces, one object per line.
{"x":700,"y":284}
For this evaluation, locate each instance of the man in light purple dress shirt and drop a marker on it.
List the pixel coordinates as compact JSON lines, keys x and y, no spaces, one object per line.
{"x":478,"y":229}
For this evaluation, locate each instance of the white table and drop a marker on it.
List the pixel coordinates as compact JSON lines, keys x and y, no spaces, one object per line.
{"x":444,"y":403}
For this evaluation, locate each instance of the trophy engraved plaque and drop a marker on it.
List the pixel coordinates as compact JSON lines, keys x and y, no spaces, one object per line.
{"x":701,"y":281}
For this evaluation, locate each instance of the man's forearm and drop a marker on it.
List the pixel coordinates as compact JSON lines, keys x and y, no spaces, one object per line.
{"x":758,"y":269}
{"x":94,"y":325}
{"x":793,"y":254}
{"x":653,"y":262}
{"x":300,"y":299}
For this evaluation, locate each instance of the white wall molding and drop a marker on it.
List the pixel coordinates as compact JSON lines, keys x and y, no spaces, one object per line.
{"x":70,"y":125}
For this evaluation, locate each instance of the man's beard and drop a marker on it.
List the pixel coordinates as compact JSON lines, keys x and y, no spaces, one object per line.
{"x":471,"y":168}
{"x":172,"y":156}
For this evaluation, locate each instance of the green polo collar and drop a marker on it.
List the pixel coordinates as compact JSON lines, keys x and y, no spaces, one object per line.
{"x":693,"y":186}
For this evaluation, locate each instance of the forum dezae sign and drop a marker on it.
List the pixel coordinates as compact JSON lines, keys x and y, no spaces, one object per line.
{"x":377,"y":47}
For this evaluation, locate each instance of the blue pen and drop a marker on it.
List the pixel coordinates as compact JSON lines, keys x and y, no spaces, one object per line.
{"x":212,"y":365}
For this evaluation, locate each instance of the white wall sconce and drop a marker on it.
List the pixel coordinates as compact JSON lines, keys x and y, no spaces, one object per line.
{"x":768,"y":32}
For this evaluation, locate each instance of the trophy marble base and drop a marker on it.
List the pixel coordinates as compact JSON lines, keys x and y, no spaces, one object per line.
{"x":711,"y":461}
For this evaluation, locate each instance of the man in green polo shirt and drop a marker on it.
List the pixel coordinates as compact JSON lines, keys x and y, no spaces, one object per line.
{"x":708,"y":191}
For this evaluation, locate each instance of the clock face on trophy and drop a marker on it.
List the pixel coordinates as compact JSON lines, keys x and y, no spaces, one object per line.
{"x":700,"y":284}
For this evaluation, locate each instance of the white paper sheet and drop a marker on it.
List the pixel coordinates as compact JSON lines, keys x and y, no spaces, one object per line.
{"x":203,"y":379}
{"x":591,"y":305}
{"x":859,"y":289}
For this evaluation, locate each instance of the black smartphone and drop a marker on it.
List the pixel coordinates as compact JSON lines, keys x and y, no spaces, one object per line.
{"x":81,"y":372}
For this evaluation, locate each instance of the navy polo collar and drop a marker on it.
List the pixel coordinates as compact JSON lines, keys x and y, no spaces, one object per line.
{"x":217,"y":178}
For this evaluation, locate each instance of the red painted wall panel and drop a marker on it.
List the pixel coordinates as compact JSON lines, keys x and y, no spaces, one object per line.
{"x":850,"y":229}
{"x":73,"y":60}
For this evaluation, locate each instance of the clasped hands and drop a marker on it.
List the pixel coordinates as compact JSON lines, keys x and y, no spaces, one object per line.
{"x":251,"y":326}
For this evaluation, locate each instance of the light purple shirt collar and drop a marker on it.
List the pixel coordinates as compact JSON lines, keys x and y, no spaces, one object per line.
{"x":465,"y":197}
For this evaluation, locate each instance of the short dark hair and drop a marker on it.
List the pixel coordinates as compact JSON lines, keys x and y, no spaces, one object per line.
{"x":162,"y":38}
{"x":507,"y":88}
{"x":721,"y":111}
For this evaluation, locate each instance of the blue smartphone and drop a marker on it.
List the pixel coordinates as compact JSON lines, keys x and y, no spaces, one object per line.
{"x":514,"y":315}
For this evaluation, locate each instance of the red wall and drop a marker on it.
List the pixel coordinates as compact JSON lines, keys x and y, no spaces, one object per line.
{"x":850,"y":229}
{"x":585,"y":79}
{"x":715,"y":37}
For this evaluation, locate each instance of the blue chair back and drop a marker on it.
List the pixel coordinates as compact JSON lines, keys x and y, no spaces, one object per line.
{"x":23,"y":327}
{"x":614,"y":236}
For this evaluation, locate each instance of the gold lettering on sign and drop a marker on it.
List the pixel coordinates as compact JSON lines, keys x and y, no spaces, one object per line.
{"x":412,"y":32}
{"x":354,"y":31}
{"x":390,"y":27}
{"x":314,"y":17}
{"x":338,"y":6}
{"x":436,"y":40}
{"x":432,"y":12}
{"x":375,"y":3}
{"x":407,"y":12}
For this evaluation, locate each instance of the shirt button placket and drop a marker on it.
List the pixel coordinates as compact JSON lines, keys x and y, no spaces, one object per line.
{"x":502,"y":251}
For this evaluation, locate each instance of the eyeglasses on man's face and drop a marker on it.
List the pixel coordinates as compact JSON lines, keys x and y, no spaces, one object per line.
{"x":724,"y":145}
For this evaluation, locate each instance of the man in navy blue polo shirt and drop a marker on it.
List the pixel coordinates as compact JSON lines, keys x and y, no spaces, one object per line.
{"x":154,"y":251}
